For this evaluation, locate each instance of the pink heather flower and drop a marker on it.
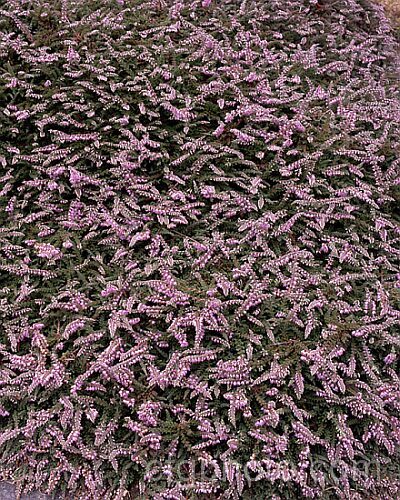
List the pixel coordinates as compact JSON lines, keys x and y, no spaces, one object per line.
{"x":324,"y":248}
{"x":390,"y":358}
{"x":208,"y":191}
{"x":72,"y":55}
{"x":75,"y":177}
{"x":22,"y":115}
{"x":47,"y":251}
{"x":219,"y":130}
{"x":13,"y":83}
{"x":148,"y":413}
{"x":251,"y":77}
{"x":242,"y":137}
{"x":109,"y":290}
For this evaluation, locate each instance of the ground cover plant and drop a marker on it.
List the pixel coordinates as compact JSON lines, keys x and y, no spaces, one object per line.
{"x":199,"y":249}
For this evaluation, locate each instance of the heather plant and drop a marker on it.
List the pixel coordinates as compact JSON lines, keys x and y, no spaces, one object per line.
{"x":199,"y":249}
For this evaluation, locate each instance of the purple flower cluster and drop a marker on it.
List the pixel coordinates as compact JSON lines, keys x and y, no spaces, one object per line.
{"x":199,"y":249}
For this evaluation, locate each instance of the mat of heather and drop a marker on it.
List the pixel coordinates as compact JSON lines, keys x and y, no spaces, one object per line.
{"x":199,"y":249}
